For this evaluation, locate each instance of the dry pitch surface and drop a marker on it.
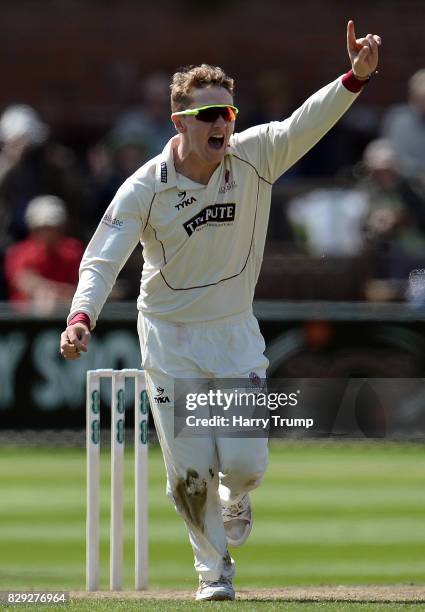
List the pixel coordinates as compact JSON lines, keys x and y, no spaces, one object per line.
{"x":382,"y":594}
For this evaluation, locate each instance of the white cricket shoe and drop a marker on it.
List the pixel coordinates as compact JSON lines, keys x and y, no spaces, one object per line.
{"x":237,"y":519}
{"x":220,"y":590}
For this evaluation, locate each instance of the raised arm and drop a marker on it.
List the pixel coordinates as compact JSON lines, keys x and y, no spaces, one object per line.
{"x":274,"y":147}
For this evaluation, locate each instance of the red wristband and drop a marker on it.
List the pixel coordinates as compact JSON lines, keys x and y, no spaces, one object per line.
{"x":80,"y":317}
{"x":351,"y":83}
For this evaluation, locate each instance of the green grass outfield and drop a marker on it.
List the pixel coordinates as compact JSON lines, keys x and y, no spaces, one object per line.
{"x":234,"y":606}
{"x":327,"y":513}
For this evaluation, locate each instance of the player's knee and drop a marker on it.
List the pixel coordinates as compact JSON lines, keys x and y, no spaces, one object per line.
{"x":247,"y":474}
{"x":189,"y":495}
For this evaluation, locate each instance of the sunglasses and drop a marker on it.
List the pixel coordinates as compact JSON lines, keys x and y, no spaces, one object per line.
{"x":209,"y":114}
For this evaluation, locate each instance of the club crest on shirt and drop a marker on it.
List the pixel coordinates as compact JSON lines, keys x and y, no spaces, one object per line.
{"x":211,"y":215}
{"x":227,"y":187}
{"x":228,"y":184}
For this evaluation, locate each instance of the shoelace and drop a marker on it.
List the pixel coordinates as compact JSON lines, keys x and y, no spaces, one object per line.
{"x":234,"y":510}
{"x":219,"y":582}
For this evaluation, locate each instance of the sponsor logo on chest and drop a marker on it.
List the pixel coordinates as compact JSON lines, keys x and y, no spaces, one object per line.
{"x":184,"y":201}
{"x":213,"y":214}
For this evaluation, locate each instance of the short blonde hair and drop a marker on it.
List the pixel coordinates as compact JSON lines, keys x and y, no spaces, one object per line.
{"x":194,"y":77}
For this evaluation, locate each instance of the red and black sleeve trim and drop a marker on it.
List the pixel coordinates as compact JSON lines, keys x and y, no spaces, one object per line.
{"x":80,"y":317}
{"x":353,"y":84}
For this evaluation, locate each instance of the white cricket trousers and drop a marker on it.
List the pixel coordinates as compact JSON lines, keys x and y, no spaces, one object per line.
{"x":204,"y":472}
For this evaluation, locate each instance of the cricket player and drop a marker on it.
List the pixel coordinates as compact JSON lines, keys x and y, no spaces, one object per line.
{"x":200,"y":209}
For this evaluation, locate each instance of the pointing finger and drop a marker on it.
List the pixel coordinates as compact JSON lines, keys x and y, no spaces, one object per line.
{"x":351,"y":35}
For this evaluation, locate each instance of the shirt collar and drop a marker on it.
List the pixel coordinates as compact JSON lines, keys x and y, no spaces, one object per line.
{"x":165,"y":171}
{"x":165,"y":177}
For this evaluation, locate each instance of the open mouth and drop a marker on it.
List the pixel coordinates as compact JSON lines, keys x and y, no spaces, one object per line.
{"x":216,"y":142}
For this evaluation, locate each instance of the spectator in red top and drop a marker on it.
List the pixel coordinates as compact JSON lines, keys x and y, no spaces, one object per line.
{"x":42,"y":271}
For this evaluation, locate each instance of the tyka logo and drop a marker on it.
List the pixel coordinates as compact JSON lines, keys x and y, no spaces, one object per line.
{"x":160,"y":398}
{"x":184,"y":201}
{"x":215,"y":213}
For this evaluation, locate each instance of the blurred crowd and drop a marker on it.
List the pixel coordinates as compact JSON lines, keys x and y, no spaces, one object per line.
{"x":360,"y":194}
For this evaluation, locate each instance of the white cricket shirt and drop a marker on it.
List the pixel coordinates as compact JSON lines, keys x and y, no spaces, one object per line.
{"x":203,"y":244}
